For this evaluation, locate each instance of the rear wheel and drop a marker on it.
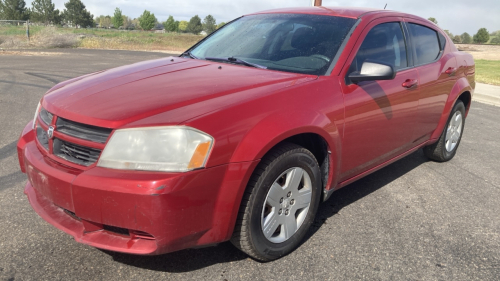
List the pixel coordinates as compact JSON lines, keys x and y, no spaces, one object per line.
{"x":280,"y":203}
{"x":446,"y":147}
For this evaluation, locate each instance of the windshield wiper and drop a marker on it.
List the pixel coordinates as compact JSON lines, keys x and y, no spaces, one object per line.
{"x":189,"y":54}
{"x":237,"y":61}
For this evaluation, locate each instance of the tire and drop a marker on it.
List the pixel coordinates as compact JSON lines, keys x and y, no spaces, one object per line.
{"x":446,"y":147}
{"x":276,"y":178}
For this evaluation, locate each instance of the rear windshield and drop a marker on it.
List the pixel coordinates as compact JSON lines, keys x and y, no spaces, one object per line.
{"x":297,"y":43}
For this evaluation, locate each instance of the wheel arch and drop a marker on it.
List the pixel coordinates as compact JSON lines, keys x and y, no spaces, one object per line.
{"x":309,"y":129}
{"x":466,"y":98}
{"x":460,"y":91}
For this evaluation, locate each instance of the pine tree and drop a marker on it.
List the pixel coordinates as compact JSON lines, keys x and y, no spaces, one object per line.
{"x":466,"y":38}
{"x":76,"y":14}
{"x":482,"y":36}
{"x":44,"y":11}
{"x":118,"y":18}
{"x":209,"y":24}
{"x":457,"y":39}
{"x":13,"y":10}
{"x":194,"y":25}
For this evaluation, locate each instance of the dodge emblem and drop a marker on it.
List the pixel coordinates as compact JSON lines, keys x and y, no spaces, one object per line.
{"x":50,"y":132}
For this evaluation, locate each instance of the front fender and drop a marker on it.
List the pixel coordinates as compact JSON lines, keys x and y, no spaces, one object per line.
{"x":462,"y":85}
{"x":258,"y":141}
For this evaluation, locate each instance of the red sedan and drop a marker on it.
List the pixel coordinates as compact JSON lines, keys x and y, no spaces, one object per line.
{"x":246,"y":133}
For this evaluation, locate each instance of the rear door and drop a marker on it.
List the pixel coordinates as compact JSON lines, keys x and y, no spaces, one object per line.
{"x":436,"y":70}
{"x":380,"y":116}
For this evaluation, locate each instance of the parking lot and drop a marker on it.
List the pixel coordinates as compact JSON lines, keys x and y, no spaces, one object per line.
{"x":413,"y":220}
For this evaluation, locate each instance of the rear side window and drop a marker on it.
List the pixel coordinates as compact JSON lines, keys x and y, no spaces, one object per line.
{"x":426,"y":43}
{"x":384,"y":43}
{"x":442,"y":40}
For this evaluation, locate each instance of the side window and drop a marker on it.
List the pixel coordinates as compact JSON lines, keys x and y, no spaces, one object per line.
{"x":442,"y":40}
{"x":426,"y":43}
{"x":384,"y":43}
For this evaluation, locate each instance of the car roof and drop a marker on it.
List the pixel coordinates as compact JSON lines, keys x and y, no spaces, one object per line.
{"x":347,"y":12}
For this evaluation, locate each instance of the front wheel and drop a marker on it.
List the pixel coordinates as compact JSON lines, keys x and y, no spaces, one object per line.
{"x":446,"y":147}
{"x":280,"y":203}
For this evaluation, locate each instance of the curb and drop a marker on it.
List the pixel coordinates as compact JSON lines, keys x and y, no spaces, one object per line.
{"x":492,"y":100}
{"x":486,"y":93}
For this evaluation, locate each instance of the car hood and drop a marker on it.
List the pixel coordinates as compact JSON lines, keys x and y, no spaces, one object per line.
{"x":119,"y":96}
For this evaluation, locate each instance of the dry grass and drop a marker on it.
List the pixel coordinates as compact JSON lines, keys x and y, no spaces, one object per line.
{"x":14,"y":37}
{"x":141,"y":41}
{"x":28,"y":53}
{"x":13,"y":42}
{"x":51,"y":37}
{"x":481,"y":52}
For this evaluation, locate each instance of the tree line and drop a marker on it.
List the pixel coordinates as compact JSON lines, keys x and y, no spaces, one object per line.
{"x":148,"y":21}
{"x":44,"y":11}
{"x":482,"y":36}
{"x":76,"y":14}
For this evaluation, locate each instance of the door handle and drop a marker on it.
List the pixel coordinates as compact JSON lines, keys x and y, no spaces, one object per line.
{"x":451,"y":70}
{"x":410,"y":83}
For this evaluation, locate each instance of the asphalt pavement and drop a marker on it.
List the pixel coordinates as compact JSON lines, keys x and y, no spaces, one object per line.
{"x":413,"y":220}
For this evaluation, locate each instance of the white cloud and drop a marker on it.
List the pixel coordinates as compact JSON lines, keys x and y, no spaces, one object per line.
{"x":456,"y":16}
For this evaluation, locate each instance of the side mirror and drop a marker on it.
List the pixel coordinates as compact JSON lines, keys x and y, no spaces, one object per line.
{"x":373,"y":70}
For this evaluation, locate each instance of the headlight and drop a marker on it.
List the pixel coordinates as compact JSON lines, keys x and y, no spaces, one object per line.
{"x":169,"y":149}
{"x":36,"y":114}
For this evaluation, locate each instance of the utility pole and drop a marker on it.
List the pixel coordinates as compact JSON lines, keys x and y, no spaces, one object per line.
{"x":316,"y":3}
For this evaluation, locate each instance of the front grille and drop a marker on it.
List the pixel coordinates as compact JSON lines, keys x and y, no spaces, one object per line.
{"x":82,"y":131}
{"x":78,"y":154}
{"x":63,"y":146}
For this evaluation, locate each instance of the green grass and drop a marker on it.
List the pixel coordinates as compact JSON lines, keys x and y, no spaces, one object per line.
{"x":18,"y":30}
{"x":488,"y":71}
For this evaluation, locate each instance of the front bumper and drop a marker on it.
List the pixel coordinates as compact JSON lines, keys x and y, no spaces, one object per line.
{"x":130,"y":211}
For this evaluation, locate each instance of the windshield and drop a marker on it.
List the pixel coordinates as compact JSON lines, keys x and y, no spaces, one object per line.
{"x":297,"y":43}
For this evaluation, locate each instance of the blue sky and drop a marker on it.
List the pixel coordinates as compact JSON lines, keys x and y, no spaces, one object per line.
{"x":457,"y":16}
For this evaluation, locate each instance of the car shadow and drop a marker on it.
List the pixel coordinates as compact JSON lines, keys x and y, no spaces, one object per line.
{"x":182,"y":261}
{"x":365,"y":186}
{"x":193,"y":259}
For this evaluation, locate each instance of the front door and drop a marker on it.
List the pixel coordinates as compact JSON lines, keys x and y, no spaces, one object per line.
{"x":379,"y":115}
